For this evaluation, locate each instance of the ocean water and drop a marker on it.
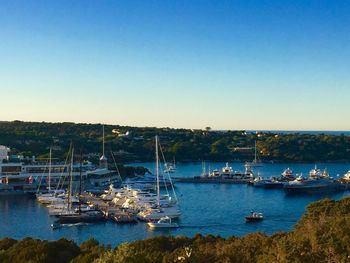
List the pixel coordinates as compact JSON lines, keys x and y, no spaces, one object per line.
{"x":206,"y":208}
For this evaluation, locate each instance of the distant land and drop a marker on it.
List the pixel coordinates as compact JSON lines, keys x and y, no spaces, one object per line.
{"x":136,"y":144}
{"x":303,"y":132}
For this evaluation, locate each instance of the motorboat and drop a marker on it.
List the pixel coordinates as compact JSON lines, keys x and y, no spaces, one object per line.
{"x":254,"y":217}
{"x":164,"y":222}
{"x":158,"y":213}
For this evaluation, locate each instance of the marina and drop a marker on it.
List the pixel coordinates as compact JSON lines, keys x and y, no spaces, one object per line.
{"x":218,"y":209}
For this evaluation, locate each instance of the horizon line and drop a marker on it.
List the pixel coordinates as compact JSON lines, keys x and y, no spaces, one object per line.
{"x":180,"y":128}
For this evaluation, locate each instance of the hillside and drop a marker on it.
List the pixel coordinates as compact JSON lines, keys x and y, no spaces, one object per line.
{"x":131,"y":144}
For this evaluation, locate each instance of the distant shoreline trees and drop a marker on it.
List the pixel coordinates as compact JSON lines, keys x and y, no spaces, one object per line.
{"x":133,"y":144}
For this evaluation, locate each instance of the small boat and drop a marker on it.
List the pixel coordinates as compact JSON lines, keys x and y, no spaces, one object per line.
{"x":164,"y":222}
{"x":254,"y":217}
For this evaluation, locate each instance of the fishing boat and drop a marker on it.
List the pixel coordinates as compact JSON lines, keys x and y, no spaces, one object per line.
{"x":254,"y":217}
{"x":164,"y":222}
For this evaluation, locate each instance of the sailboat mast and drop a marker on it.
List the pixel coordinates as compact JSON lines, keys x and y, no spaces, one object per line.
{"x":80,"y":179}
{"x":70,"y":182}
{"x":255,"y":160}
{"x":50,"y":169}
{"x":103,"y":140}
{"x":157,"y":171}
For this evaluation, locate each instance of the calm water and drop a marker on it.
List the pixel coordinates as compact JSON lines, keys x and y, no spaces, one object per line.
{"x":206,"y":209}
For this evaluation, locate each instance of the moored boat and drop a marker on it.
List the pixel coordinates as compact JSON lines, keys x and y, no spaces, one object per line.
{"x":316,"y":182}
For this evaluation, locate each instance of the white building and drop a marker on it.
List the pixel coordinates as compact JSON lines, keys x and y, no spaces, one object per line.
{"x":4,"y":152}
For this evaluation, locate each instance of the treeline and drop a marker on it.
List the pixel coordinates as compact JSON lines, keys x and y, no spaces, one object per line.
{"x":322,"y":235}
{"x":130,"y":144}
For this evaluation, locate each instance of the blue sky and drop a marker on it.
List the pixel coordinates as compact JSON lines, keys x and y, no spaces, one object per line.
{"x":225,"y":64}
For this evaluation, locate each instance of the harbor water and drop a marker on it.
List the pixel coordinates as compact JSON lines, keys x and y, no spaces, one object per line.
{"x":216,"y":209}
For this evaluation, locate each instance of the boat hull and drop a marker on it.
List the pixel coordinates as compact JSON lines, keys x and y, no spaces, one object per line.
{"x":295,"y":189}
{"x":278,"y":185}
{"x":249,"y":219}
{"x":162,"y":226}
{"x":201,"y":180}
{"x":80,"y":218}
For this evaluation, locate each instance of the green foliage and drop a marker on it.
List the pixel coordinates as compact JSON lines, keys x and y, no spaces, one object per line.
{"x":89,"y":251}
{"x":33,"y":250}
{"x":33,"y":138}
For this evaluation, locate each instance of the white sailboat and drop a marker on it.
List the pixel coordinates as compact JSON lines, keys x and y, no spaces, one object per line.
{"x":162,"y":209}
{"x":256,"y":162}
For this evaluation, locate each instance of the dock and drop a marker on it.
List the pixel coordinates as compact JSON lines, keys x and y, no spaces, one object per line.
{"x":110,"y":211}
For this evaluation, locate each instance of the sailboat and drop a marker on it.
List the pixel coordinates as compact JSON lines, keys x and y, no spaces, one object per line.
{"x":162,"y":209}
{"x":256,"y":162}
{"x":99,"y":180}
{"x":73,"y":216}
{"x":52,"y":195}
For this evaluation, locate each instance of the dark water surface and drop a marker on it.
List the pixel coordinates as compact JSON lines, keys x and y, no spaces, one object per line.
{"x":206,"y":209}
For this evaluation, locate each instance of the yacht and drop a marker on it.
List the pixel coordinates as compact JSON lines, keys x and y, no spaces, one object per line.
{"x":259,"y":182}
{"x":287,"y":174}
{"x":274,"y":183}
{"x":226,"y":176}
{"x":317,"y":181}
{"x":164,"y":222}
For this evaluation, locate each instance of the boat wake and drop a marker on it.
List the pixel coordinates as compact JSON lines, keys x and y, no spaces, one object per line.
{"x":58,"y":226}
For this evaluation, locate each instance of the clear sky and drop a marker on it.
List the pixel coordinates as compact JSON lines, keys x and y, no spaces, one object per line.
{"x":226,"y":64}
